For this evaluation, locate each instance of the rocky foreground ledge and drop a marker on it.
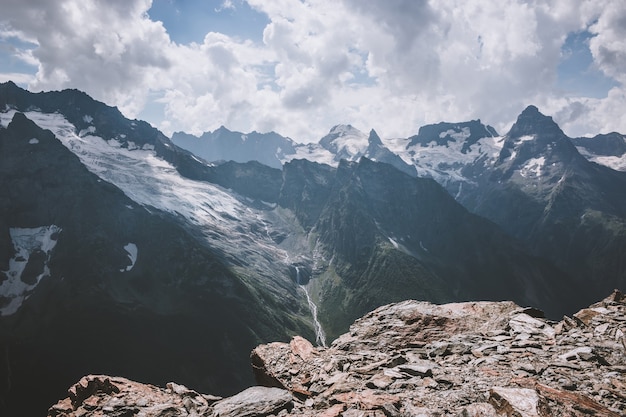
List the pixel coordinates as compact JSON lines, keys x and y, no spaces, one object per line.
{"x":411,"y":359}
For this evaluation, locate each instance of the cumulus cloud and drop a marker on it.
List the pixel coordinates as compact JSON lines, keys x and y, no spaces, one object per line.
{"x":108,"y":48}
{"x":392,"y":66}
{"x":608,"y":46}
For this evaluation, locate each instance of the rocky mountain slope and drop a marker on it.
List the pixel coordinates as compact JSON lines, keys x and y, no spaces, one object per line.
{"x":411,"y":359}
{"x":566,"y":208}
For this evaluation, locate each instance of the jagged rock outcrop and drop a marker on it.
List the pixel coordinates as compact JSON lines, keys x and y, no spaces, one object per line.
{"x":412,"y":359}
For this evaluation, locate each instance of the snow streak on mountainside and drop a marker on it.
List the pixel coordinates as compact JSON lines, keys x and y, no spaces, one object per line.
{"x":228,"y":224}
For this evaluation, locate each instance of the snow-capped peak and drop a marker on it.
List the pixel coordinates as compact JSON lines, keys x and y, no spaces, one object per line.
{"x":346,"y":142}
{"x":342,"y":130}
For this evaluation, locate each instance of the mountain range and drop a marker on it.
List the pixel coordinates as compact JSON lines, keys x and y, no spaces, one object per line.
{"x":122,"y":253}
{"x":563,"y":198}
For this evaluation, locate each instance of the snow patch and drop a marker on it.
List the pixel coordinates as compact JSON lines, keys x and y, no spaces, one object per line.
{"x":5,"y":119}
{"x":201,"y":161}
{"x":131,"y":250}
{"x":533,"y":167}
{"x":33,"y":141}
{"x":617,"y":163}
{"x":28,"y":243}
{"x":88,"y":131}
{"x":525,"y":138}
{"x":87,"y":118}
{"x":394,"y":243}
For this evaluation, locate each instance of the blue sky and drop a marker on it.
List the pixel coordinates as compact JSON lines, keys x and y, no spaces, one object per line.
{"x":190,"y":20}
{"x":299,"y":67}
{"x":577,"y":72}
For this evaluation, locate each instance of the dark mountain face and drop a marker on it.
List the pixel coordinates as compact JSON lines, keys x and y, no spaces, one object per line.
{"x":564,"y":207}
{"x":250,"y":179}
{"x":386,"y":235}
{"x":305,"y":189}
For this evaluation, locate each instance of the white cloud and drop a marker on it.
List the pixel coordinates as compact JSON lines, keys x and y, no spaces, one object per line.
{"x":392,"y":66}
{"x":16,"y":77}
{"x":609,"y":45}
{"x":226,"y":5}
{"x":109,"y":49}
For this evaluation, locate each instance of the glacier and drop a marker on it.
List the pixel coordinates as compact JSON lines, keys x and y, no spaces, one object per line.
{"x":234,"y":230}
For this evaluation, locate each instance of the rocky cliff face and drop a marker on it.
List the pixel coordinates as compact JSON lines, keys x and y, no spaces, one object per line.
{"x":412,"y":359}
